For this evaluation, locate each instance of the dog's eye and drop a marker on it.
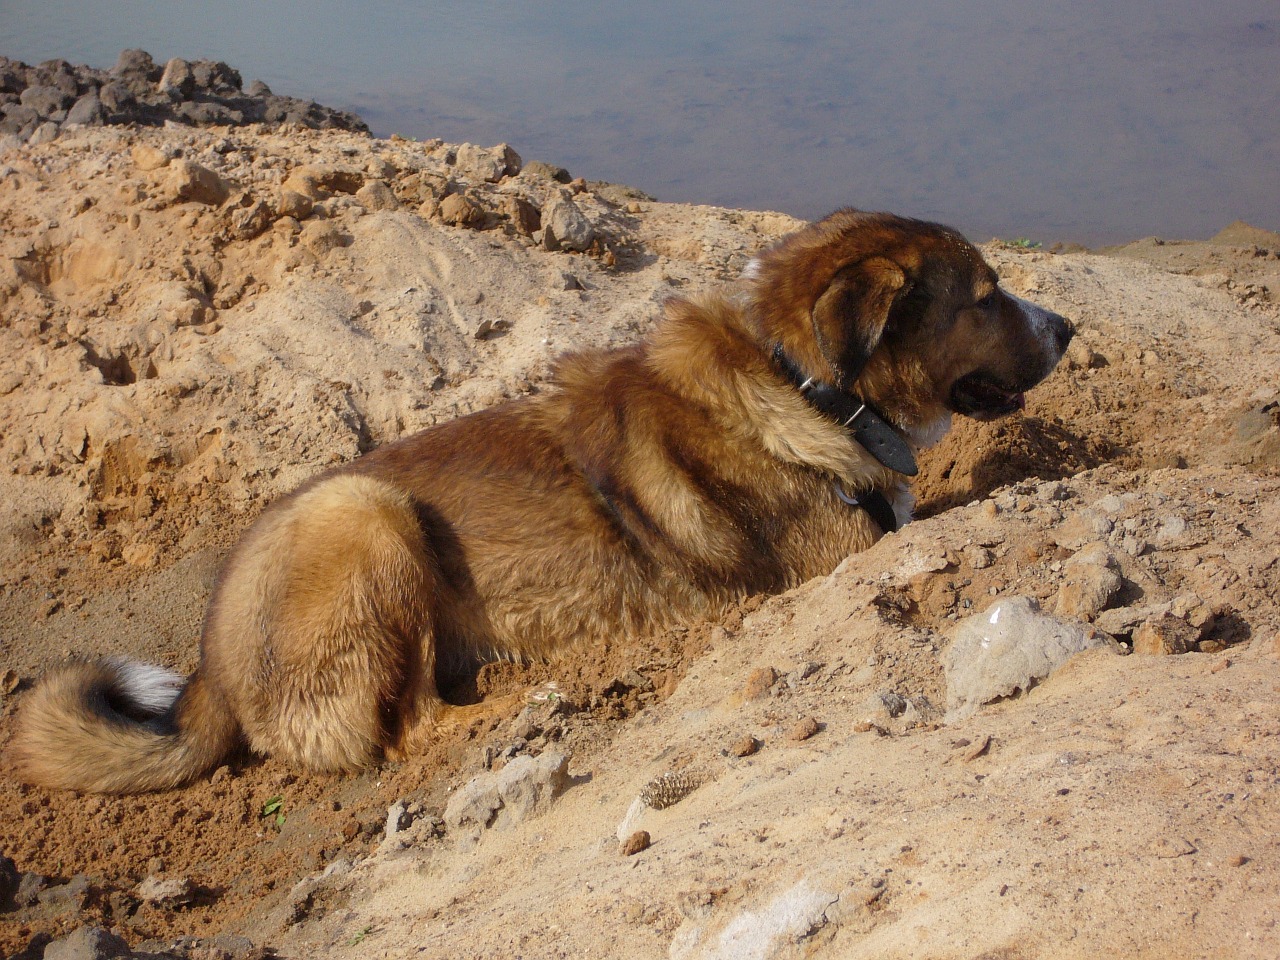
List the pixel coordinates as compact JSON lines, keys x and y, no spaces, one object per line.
{"x":987,"y":302}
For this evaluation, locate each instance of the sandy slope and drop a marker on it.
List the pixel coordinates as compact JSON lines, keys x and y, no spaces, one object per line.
{"x":175,"y":352}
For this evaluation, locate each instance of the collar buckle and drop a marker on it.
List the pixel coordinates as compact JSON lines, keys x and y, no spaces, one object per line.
{"x":856,"y":414}
{"x":865,"y":423}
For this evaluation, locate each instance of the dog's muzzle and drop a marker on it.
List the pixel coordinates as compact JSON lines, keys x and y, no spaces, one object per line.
{"x":986,"y":396}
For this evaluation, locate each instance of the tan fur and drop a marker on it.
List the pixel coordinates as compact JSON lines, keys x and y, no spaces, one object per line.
{"x":652,"y":483}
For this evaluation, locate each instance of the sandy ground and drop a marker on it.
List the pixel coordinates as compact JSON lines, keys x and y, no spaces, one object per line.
{"x":194,"y":321}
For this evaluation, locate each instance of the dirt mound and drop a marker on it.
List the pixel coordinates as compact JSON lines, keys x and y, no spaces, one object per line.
{"x":195,"y":320}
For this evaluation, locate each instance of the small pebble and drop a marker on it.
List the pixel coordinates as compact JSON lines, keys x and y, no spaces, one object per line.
{"x":803,"y":730}
{"x":759,"y":682}
{"x":744,"y":746}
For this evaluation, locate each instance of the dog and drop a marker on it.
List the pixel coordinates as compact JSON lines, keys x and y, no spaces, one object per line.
{"x":752,"y":441}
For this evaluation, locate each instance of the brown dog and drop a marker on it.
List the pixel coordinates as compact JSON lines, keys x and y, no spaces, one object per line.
{"x":751,"y":442}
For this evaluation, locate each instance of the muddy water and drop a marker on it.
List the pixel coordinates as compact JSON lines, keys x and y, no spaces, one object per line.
{"x":1084,"y":121}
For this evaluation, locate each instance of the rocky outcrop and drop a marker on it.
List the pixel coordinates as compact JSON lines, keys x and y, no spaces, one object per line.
{"x":36,"y":103}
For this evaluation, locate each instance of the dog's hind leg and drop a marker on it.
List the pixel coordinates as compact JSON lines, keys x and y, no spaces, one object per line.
{"x":336,"y":588}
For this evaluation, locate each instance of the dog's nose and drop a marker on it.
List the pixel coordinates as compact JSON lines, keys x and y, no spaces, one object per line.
{"x":1062,"y":330}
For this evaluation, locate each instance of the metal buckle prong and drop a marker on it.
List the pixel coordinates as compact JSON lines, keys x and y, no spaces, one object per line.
{"x":856,"y":414}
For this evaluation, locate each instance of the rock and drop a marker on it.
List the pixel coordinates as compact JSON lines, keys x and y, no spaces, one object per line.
{"x":87,"y":943}
{"x":540,"y":170}
{"x":524,"y":216}
{"x":1165,"y":635}
{"x":190,"y":182}
{"x":322,"y":181}
{"x":975,"y":749}
{"x":1007,"y":649}
{"x":772,"y":928}
{"x":744,"y":746}
{"x":178,"y":81}
{"x":247,"y":217}
{"x":1093,"y":555}
{"x":637,"y":842}
{"x":885,"y":705}
{"x":18,"y":118}
{"x":978,"y":557}
{"x":240,"y":947}
{"x":458,"y":211}
{"x":73,"y":893}
{"x":489,"y":328}
{"x":1082,"y":527}
{"x":146,"y":157}
{"x":400,"y":817}
{"x":294,"y":204}
{"x":1081,"y":356}
{"x":1194,"y":610}
{"x":376,"y":195}
{"x":46,"y":100}
{"x":87,"y":111}
{"x":205,"y":113}
{"x":47,"y":132}
{"x":322,"y":236}
{"x":29,"y":887}
{"x":804,"y":729}
{"x":566,"y":226}
{"x":632,"y":680}
{"x":488,"y":165}
{"x":165,"y":891}
{"x":1175,"y":533}
{"x":526,"y":787}
{"x":215,"y":76}
{"x":137,"y":64}
{"x":1090,"y":590}
{"x":759,"y":682}
{"x":1126,"y":619}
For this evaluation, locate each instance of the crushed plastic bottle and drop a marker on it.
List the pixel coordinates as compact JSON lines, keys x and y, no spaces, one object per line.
{"x":1006,"y":650}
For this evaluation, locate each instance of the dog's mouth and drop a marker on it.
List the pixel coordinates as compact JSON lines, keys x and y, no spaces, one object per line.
{"x":980,"y":396}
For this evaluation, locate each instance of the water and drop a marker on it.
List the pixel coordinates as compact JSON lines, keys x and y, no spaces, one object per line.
{"x":1087,"y":121}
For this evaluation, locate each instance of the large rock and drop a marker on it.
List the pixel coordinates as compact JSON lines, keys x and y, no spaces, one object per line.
{"x":487,"y":164}
{"x":87,"y":943}
{"x":87,"y":111}
{"x":178,"y":79}
{"x":191,"y":182}
{"x":45,"y":100}
{"x":567,"y":227}
{"x":526,"y":787}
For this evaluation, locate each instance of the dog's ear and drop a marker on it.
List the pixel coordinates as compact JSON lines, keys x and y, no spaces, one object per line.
{"x":850,"y":316}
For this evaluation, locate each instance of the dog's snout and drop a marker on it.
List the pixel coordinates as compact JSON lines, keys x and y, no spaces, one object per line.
{"x":1062,"y":330}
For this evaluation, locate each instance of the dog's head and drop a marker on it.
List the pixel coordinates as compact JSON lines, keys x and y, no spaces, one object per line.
{"x":905,"y":314}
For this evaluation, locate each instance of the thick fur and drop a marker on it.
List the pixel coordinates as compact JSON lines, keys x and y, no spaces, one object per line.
{"x":651,"y":483}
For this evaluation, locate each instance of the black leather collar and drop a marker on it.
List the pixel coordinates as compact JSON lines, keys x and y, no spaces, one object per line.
{"x":863,"y":421}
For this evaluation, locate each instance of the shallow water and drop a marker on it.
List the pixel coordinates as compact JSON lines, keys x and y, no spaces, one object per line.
{"x":1085,"y":121}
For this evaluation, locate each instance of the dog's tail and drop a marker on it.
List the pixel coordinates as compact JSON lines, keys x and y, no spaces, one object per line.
{"x":118,"y":726}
